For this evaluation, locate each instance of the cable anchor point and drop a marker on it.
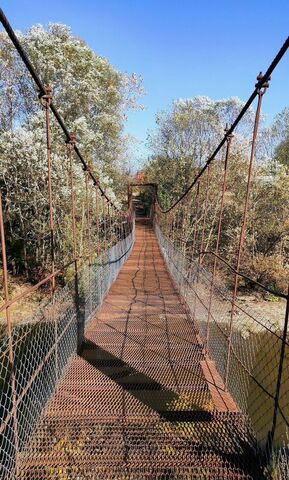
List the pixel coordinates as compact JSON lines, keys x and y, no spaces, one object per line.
{"x":262,"y":86}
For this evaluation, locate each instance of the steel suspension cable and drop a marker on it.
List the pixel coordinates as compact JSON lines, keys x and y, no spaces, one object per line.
{"x":261,"y":83}
{"x":42,"y":91}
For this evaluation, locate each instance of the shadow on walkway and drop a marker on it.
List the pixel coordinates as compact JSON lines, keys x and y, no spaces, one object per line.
{"x":147,"y":390}
{"x":205,"y":425}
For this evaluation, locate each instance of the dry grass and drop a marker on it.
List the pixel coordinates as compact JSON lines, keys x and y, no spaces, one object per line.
{"x":24,"y":308}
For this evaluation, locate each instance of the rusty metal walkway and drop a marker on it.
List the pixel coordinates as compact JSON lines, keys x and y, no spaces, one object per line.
{"x":141,"y":401}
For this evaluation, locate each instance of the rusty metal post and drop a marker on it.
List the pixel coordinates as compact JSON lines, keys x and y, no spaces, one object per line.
{"x":179,"y":221}
{"x":104,"y":220}
{"x":118,"y":222}
{"x":196,"y":218}
{"x":97,"y":219}
{"x":224,"y":188}
{"x":80,"y":325}
{"x":71,"y":145}
{"x":120,"y":229}
{"x":127,"y":220}
{"x":10,"y":333}
{"x":109,"y":224}
{"x":194,"y":245}
{"x":165,"y":224}
{"x":194,"y":242}
{"x":167,"y":217}
{"x":129,"y":195}
{"x":203,"y":233}
{"x":261,"y":93}
{"x":205,"y":212}
{"x":155,"y":215}
{"x":170,"y":234}
{"x":189,"y":226}
{"x":112,"y":225}
{"x":159,"y":216}
{"x":46,"y":100}
{"x":88,"y":235}
{"x":184,"y":226}
{"x":87,"y":206}
{"x":125,"y":227}
{"x":270,"y":441}
{"x":200,"y":258}
{"x":176,"y":223}
{"x":126,"y":223}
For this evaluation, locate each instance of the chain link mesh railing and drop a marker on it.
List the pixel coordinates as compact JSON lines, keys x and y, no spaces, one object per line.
{"x":252,"y":370}
{"x":42,"y":347}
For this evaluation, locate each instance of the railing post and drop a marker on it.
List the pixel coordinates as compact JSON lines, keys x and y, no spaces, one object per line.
{"x":172,"y":215}
{"x":224,"y":188}
{"x":128,"y":195}
{"x":88,"y":235}
{"x":271,"y":435}
{"x":109,"y":223}
{"x":87,"y":207}
{"x":10,"y":333}
{"x":46,"y":100}
{"x":113,"y":225}
{"x":71,"y":145}
{"x":80,"y":327}
{"x":122,"y":227}
{"x":196,"y":274}
{"x":97,"y":218}
{"x":196,"y":218}
{"x":261,"y":93}
{"x":104,"y":219}
{"x":205,"y":212}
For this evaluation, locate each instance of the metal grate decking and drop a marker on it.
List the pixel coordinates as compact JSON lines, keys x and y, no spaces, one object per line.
{"x":141,"y":401}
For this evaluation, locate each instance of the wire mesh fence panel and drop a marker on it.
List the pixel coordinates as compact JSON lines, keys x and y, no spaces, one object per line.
{"x":42,"y":347}
{"x":255,"y":347}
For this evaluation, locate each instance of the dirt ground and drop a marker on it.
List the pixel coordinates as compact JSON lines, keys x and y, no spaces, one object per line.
{"x":24,"y":309}
{"x":271,"y":310}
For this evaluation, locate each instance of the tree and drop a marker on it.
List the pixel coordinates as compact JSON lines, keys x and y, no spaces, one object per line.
{"x":184,"y":138}
{"x":89,"y":92}
{"x":92,"y":97}
{"x":186,"y":135}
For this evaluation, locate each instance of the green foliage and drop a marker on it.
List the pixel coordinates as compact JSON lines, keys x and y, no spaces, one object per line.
{"x":184,"y":138}
{"x":272,"y":298}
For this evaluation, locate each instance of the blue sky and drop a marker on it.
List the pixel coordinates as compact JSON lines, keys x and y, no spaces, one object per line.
{"x":181,"y":47}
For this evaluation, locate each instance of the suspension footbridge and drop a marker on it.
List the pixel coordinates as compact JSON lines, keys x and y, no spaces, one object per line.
{"x":142,"y":364}
{"x":141,"y":400}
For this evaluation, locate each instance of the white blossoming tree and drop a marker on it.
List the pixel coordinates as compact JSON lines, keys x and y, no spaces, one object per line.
{"x":92,"y":97}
